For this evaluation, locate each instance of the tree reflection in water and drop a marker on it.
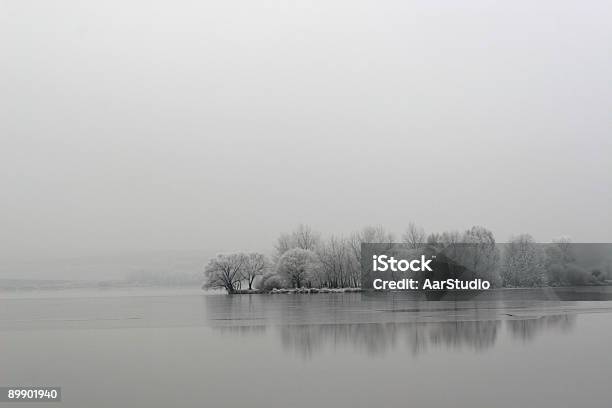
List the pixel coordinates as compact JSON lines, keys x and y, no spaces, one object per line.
{"x":527,"y":329}
{"x":310,"y":324}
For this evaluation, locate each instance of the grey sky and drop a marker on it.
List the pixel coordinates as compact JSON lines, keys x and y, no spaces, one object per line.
{"x":188,"y":125}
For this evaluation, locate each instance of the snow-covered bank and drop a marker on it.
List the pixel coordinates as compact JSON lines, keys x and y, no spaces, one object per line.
{"x":298,"y":291}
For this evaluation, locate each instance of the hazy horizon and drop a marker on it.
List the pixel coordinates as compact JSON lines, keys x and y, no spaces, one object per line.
{"x":217,"y":126}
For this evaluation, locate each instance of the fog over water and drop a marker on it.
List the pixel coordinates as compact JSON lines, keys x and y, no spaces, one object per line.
{"x":199,"y":126}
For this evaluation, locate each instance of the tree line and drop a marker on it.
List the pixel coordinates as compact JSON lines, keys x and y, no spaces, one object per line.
{"x":303,"y":258}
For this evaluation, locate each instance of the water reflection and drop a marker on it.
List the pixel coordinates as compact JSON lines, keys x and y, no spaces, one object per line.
{"x":307,"y":325}
{"x":528,"y":329}
{"x":379,"y":338}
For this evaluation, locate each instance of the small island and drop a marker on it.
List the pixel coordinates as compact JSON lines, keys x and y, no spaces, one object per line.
{"x":305,"y":263}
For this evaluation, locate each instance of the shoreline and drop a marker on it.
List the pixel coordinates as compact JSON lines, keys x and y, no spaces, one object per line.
{"x":299,"y":291}
{"x":295,"y":291}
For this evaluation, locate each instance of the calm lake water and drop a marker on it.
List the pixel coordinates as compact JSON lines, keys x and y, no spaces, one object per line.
{"x":182,"y":348}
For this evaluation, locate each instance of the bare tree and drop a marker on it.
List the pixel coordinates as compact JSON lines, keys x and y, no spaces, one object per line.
{"x":414,"y":236}
{"x":283,"y":244}
{"x":566,"y":248}
{"x":433,"y":239}
{"x":306,"y":238}
{"x":255,"y":264}
{"x":225,"y":271}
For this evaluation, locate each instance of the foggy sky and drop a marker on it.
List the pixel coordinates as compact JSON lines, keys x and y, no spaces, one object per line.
{"x":217,"y":125}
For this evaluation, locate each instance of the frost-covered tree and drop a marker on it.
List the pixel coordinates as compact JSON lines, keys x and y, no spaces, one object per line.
{"x":298,"y":267}
{"x":370,"y":234}
{"x":474,"y":250}
{"x":283,"y":243}
{"x":306,"y":238}
{"x":414,"y":236}
{"x":255,"y":264}
{"x":480,"y":254}
{"x":448,"y":242}
{"x":303,"y":237}
{"x":562,"y":268}
{"x":565,"y":247}
{"x":225,"y":271}
{"x":523,"y":263}
{"x":269,"y":281}
{"x":339,"y":267}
